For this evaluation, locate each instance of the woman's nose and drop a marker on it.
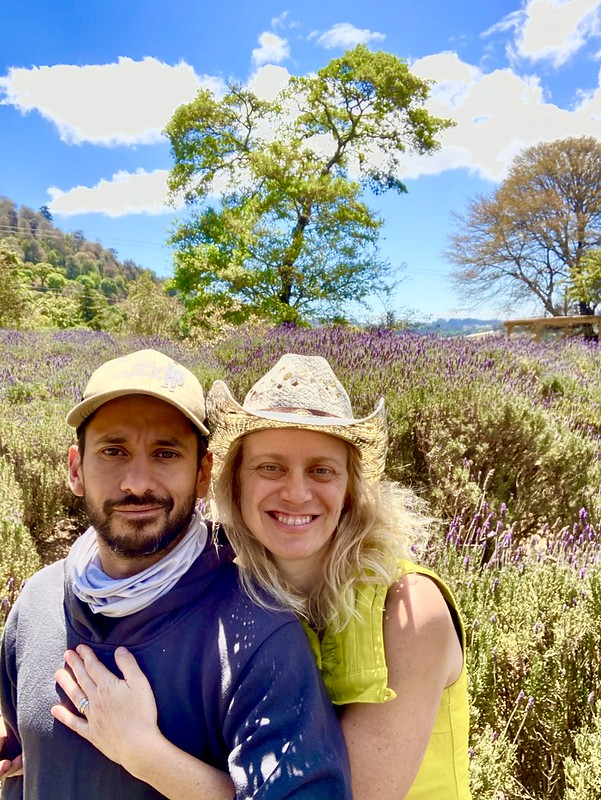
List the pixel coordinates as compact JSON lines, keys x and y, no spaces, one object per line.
{"x":296,"y":488}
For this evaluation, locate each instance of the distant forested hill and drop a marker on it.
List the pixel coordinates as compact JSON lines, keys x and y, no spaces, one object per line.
{"x":33,"y":236}
{"x":53,"y":279}
{"x":459,"y":327}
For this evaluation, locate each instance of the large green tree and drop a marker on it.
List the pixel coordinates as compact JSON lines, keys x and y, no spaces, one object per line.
{"x":150,"y":311}
{"x":586,"y":280}
{"x":15,"y":296}
{"x":530,"y":239}
{"x":275,"y":188}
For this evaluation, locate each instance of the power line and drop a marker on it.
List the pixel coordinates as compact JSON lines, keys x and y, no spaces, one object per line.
{"x":59,"y":235}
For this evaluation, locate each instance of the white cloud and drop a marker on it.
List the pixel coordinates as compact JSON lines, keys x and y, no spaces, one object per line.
{"x":268,"y":81}
{"x":509,"y":23}
{"x":126,"y":193}
{"x":345,"y":35}
{"x":497,"y":114}
{"x":273,"y":49}
{"x":589,"y":106}
{"x":125,"y":103}
{"x":554,"y":30}
{"x":280,"y":20}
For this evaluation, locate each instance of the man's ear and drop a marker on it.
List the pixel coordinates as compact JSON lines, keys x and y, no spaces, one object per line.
{"x":203,"y":478}
{"x":75,"y":471}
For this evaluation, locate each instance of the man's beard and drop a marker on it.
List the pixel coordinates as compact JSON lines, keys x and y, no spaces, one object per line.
{"x":135,"y":542}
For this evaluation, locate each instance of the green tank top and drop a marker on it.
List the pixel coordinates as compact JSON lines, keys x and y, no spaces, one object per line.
{"x":353,"y":666}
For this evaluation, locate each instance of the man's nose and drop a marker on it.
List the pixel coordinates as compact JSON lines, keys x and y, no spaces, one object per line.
{"x":138,"y":476}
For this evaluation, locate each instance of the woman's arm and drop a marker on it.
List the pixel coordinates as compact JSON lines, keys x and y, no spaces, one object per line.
{"x":387,"y":741}
{"x":121,"y":721}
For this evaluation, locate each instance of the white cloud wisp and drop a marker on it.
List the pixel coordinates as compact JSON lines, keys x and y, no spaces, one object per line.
{"x":126,"y":193}
{"x":125,"y":103}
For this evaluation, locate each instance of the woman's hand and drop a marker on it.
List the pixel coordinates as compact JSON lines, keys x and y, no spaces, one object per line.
{"x":120,"y":719}
{"x":8,"y":768}
{"x":121,"y":714}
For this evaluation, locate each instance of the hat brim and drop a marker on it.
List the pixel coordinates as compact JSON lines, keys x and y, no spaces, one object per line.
{"x":87,"y":407}
{"x":229,"y":420}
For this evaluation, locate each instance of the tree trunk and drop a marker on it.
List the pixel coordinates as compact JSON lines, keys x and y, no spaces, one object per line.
{"x":585,"y":310}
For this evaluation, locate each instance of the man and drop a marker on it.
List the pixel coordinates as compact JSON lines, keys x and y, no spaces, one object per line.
{"x":235,"y":685}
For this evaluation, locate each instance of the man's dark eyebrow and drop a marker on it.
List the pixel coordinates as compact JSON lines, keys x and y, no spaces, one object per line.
{"x":111,"y":439}
{"x":174,"y":442}
{"x":171,"y":442}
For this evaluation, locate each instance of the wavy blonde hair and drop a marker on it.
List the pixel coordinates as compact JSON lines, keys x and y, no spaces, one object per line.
{"x":377,"y":525}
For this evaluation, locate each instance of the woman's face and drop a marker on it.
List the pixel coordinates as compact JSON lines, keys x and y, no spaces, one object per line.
{"x":293,"y":484}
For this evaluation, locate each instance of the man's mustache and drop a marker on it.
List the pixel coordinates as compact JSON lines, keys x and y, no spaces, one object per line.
{"x":134,"y":501}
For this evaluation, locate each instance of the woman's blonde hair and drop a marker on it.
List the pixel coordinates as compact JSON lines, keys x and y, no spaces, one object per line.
{"x":377,"y":525}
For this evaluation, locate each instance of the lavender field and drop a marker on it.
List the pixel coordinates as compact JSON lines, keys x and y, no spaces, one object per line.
{"x":502,"y":439}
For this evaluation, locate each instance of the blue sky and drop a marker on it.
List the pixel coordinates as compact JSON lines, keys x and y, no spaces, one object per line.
{"x":86,"y":89}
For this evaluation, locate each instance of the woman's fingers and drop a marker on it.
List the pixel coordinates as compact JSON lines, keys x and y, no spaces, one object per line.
{"x":10,"y":769}
{"x":132,"y":674}
{"x":70,"y":686}
{"x":121,"y":713}
{"x":81,"y":673}
{"x":89,"y":666}
{"x":73,"y":721}
{"x":72,"y":689}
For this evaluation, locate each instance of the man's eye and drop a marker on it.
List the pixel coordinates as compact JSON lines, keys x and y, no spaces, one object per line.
{"x":167,"y":454}
{"x":111,"y":451}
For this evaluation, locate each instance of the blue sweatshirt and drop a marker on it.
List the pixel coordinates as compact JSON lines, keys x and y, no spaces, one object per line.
{"x":235,"y":685}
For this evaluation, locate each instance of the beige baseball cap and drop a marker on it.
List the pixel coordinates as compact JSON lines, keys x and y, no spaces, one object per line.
{"x":143,"y":372}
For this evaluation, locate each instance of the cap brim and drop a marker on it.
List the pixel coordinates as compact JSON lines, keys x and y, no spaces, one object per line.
{"x":86,"y":408}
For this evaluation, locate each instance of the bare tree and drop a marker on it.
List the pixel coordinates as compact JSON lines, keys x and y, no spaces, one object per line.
{"x":528,"y":240}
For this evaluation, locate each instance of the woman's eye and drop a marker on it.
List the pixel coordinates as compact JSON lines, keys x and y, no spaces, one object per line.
{"x":270,"y":468}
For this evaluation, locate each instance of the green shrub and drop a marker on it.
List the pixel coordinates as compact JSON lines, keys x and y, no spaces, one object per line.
{"x":18,"y":555}
{"x":583,"y":771}
{"x":533,"y":619}
{"x":36,"y":446}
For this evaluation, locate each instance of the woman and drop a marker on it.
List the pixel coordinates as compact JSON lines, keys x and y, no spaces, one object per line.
{"x":298,"y":493}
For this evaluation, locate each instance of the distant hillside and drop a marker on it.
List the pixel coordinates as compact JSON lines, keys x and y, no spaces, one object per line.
{"x":34,"y":238}
{"x":53,"y":279}
{"x":459,"y":327}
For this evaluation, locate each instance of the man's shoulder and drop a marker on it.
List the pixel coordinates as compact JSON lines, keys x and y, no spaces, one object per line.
{"x":44,"y":590}
{"x":232,"y":609}
{"x":232,"y":595}
{"x":44,"y":578}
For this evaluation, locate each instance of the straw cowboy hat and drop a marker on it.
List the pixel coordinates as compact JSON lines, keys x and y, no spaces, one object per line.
{"x":298,"y":392}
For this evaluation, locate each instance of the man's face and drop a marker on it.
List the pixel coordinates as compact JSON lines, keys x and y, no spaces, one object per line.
{"x":139,"y":478}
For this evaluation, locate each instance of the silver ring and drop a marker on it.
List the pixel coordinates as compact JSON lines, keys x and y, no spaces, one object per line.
{"x":83,"y":704}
